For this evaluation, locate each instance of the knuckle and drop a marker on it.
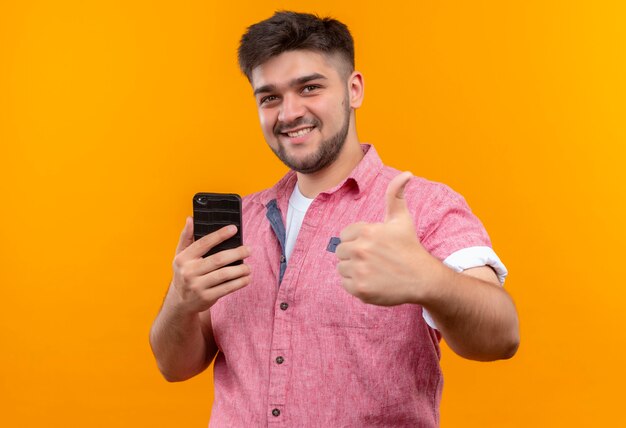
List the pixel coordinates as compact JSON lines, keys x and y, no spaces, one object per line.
{"x":218,"y":259}
{"x":184,"y":273}
{"x":245,"y":269}
{"x":361,"y":271}
{"x":208,"y":297}
{"x":242,"y":281}
{"x":178,"y":262}
{"x":340,"y":268}
{"x":365,"y":295}
{"x":360,"y":252}
{"x":235,"y":284}
{"x":368,"y":230}
{"x":243,"y":252}
{"x":359,"y":289}
{"x":195,"y":288}
{"x":219,"y":275}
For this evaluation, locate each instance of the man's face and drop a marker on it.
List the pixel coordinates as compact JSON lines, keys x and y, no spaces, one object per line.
{"x":304,"y":108}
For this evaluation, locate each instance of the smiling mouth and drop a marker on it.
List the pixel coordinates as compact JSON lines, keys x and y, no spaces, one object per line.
{"x":299,"y":132}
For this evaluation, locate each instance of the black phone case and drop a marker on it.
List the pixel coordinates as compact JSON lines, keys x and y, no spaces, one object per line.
{"x":212,"y":211}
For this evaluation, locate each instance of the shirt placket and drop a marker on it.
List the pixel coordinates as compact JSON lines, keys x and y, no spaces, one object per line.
{"x":284,"y":307}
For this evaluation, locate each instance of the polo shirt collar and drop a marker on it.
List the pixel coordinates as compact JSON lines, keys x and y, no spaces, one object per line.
{"x":360,"y":177}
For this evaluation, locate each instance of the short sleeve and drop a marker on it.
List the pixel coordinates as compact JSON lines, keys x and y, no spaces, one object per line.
{"x":449,"y":230}
{"x":446,"y":223}
{"x":468,"y":258}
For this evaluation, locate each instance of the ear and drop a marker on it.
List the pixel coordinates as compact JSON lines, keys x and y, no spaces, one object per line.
{"x":356,"y":89}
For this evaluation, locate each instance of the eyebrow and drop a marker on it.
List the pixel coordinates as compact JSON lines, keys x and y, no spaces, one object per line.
{"x":294,"y":82}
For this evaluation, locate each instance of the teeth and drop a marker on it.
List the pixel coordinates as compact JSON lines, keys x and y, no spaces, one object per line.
{"x":299,"y":133}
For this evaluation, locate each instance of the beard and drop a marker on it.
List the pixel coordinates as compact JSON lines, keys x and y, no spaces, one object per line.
{"x":326,"y":153}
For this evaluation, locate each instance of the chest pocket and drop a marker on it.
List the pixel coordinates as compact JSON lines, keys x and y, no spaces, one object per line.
{"x":326,"y":303}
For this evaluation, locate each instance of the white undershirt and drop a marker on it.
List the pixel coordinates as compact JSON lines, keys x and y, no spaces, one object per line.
{"x":298,"y":204}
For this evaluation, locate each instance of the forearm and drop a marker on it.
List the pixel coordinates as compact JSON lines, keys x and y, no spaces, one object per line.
{"x":180,"y":346}
{"x":476,"y":318}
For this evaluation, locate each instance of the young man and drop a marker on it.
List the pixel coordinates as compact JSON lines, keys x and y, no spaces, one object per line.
{"x":353,"y":271}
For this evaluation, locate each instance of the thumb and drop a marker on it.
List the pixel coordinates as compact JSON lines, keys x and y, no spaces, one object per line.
{"x":396,"y":204}
{"x":186,"y":236}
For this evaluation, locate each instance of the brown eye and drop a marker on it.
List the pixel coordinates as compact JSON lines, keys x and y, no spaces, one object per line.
{"x":309,"y":88}
{"x":267,"y":99}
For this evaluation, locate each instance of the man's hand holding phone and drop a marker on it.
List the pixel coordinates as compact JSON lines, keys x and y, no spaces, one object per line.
{"x":181,"y":336}
{"x":200,"y":281}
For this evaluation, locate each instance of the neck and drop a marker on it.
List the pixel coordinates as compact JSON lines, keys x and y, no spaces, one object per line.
{"x":313,"y":184}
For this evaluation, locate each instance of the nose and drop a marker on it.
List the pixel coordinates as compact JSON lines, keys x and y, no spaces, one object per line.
{"x":291,"y":109}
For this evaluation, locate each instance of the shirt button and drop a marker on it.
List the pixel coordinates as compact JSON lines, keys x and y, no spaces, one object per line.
{"x":276,"y":412}
{"x":282,"y":259}
{"x":279,"y":360}
{"x":284,"y":306}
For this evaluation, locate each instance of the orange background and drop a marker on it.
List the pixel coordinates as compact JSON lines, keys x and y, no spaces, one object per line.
{"x":113,"y":113}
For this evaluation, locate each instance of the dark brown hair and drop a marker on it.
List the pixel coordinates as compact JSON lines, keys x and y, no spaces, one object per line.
{"x":287,"y":31}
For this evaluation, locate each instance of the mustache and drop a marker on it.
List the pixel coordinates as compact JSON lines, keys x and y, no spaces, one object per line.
{"x":280,"y":128}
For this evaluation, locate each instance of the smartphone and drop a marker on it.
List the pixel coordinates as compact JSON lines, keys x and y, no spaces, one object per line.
{"x":212,"y":211}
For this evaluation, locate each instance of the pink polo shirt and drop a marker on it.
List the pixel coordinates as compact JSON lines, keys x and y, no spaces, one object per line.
{"x":296,"y":350}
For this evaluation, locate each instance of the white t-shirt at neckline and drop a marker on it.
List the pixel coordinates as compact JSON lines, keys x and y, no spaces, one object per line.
{"x":298,"y":205}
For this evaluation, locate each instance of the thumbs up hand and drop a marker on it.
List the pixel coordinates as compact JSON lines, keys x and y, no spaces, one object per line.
{"x":384,"y":263}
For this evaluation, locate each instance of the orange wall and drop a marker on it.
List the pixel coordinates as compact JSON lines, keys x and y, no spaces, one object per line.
{"x":113,"y":113}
